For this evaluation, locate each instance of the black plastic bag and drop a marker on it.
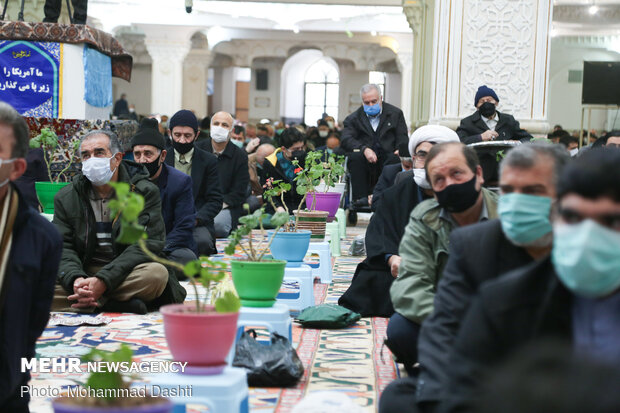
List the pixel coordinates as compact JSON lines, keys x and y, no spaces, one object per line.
{"x":275,"y":365}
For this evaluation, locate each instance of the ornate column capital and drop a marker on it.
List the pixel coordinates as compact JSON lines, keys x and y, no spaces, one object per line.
{"x":414,"y":11}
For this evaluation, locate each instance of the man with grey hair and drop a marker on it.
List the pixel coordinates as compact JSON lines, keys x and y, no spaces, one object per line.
{"x":371,"y":137}
{"x":97,"y":272}
{"x":30,"y":249}
{"x":477,"y":253}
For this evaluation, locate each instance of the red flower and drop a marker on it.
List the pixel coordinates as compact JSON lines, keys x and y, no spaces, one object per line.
{"x":298,"y":170}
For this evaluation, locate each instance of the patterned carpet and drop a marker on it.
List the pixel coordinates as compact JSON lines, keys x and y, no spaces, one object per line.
{"x":347,"y":360}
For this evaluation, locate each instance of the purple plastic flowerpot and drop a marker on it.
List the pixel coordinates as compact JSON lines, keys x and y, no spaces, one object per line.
{"x":329,"y":201}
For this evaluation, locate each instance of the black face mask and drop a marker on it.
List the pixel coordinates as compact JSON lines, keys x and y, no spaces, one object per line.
{"x":458,"y":197}
{"x":487,"y":109}
{"x":182,"y":148}
{"x":152,"y":167}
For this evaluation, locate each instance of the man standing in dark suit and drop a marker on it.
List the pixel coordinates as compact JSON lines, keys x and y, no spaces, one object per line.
{"x":202,"y":167}
{"x":479,"y":253}
{"x":370,"y":137}
{"x":487,"y":124}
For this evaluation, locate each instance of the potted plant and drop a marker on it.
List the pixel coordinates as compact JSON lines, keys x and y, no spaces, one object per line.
{"x":109,"y":390}
{"x":306,"y":180}
{"x":324,"y":199}
{"x":196,"y":333}
{"x":257,"y":278}
{"x":289,"y":243}
{"x":47,"y":140}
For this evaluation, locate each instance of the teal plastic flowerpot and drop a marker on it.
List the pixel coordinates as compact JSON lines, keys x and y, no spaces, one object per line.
{"x":290,"y":246}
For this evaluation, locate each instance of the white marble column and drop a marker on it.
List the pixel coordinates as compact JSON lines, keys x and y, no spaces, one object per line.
{"x":404,"y":62}
{"x":503,"y":44}
{"x":168,"y":46}
{"x":420,"y":17}
{"x":195,"y":69}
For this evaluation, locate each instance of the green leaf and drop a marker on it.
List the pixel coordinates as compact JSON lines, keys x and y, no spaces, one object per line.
{"x":105,"y":380}
{"x":130,"y":234}
{"x":229,"y":303}
{"x":192,"y":268}
{"x":230,"y":249}
{"x":279,"y":218}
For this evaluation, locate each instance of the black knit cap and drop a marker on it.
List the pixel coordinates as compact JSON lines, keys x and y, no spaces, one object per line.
{"x":183,"y":117}
{"x":148,"y":134}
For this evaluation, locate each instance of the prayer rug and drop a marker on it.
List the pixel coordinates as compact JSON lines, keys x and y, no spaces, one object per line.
{"x":346,"y":360}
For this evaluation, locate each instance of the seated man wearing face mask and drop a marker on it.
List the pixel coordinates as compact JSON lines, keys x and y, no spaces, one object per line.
{"x":96,"y":272}
{"x":455,"y":175}
{"x":487,"y":124}
{"x":175,"y":190}
{"x":572,"y":296}
{"x":369,"y":293}
{"x":278,"y":166}
{"x":187,"y":157}
{"x":388,"y":175}
{"x":480,"y":252}
{"x":232,"y":168}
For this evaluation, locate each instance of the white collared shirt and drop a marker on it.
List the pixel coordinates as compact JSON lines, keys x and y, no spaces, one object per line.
{"x":492,"y":122}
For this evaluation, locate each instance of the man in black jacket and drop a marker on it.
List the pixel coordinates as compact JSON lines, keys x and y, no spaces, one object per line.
{"x":202,"y":167}
{"x":388,"y":175}
{"x":370,"y":137}
{"x":479,"y":253}
{"x":30,"y":249}
{"x":232,"y":168}
{"x":572,"y":296}
{"x":487,"y":124}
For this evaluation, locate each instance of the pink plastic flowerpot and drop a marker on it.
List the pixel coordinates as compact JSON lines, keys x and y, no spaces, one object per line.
{"x":203,"y":340}
{"x":329,"y":201}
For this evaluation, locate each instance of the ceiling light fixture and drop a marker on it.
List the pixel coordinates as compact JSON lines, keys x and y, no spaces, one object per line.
{"x":593,"y":9}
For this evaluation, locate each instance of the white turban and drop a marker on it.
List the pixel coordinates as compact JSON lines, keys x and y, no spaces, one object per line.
{"x":431,"y":133}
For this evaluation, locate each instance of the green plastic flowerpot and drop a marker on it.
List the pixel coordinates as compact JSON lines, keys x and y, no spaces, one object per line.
{"x":257,"y":283}
{"x":46,"y":191}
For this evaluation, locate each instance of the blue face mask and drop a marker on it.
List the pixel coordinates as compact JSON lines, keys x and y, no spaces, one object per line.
{"x":372,"y":110}
{"x":330,"y":151}
{"x":237,"y":143}
{"x":586,"y":258}
{"x":525,"y":218}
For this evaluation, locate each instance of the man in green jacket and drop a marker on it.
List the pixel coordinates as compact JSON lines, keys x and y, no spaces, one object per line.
{"x":455,"y":175}
{"x":95,"y":271}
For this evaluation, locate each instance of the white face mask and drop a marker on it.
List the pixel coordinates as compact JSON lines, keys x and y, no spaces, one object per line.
{"x":419,"y":176}
{"x":573,"y":152}
{"x":330,"y":124}
{"x":323,"y":133}
{"x":2,"y":162}
{"x":218,"y":133}
{"x":97,"y":170}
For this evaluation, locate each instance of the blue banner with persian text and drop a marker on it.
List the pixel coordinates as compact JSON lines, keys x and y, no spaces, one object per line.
{"x":30,"y":77}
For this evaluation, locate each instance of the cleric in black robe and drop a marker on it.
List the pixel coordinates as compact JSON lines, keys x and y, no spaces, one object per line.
{"x":369,"y":292}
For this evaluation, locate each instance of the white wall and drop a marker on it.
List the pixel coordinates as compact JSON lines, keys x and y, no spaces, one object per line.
{"x":292,"y":78}
{"x":265,"y":103}
{"x":138,"y":90}
{"x":565,"y":98}
{"x":393,"y":88}
{"x":351,"y":81}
